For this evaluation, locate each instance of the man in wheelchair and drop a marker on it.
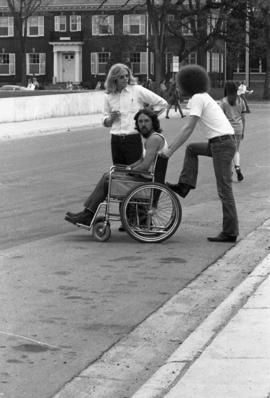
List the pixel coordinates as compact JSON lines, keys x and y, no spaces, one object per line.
{"x":148,"y":125}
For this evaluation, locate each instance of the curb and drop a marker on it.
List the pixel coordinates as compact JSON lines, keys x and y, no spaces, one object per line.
{"x":184,"y":357}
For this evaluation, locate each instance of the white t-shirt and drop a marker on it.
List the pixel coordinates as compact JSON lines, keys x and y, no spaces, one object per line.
{"x":234,"y":113}
{"x":242,"y":89}
{"x":212,"y":120}
{"x":128,"y":103}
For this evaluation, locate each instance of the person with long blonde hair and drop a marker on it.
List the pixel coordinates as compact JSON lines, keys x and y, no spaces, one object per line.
{"x":123,"y":99}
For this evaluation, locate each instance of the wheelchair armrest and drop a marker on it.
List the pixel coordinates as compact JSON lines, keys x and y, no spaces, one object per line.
{"x":118,"y":168}
{"x":139,"y":172}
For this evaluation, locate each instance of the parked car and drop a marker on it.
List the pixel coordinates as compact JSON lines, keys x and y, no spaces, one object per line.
{"x":13,"y":87}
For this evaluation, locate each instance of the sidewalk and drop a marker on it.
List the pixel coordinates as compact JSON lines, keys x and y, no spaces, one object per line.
{"x":39,"y":127}
{"x":228,"y":355}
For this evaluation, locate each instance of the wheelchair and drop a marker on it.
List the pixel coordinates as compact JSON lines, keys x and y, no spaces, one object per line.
{"x":149,"y":211}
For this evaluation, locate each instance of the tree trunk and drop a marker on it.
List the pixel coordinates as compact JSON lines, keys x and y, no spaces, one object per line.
{"x":23,"y":61}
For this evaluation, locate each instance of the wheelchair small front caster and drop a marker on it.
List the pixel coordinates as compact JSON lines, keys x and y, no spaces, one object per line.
{"x":101,"y":231}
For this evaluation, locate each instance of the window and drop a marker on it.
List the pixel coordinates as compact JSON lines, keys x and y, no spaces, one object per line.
{"x":138,"y":63}
{"x":215,"y":62}
{"x":75,"y":23}
{"x":168,"y":62}
{"x":192,"y":58}
{"x":60,"y":23}
{"x":35,"y":63}
{"x":6,"y":26}
{"x":102,"y":25}
{"x":211,"y":23}
{"x":134,"y":24}
{"x":7,"y":64}
{"x":186,"y":27}
{"x":99,"y":62}
{"x":35,"y":26}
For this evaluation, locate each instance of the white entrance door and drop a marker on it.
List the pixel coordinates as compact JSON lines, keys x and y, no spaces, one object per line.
{"x":68,"y":67}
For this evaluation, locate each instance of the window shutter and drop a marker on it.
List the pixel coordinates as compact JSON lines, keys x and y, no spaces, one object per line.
{"x":23,"y":26}
{"x":10,"y":26}
{"x":27,"y":64}
{"x":142,"y":24}
{"x":79,"y":23}
{"x":41,"y":26}
{"x":12,"y":64}
{"x":111,"y":23}
{"x":152,"y":63}
{"x":95,"y":29}
{"x":94,"y":63}
{"x":143,"y":60}
{"x":126,"y":24}
{"x":57,"y":23}
{"x":42,"y":63}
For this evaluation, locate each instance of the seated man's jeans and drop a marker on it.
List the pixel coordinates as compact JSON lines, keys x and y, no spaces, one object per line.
{"x":101,"y":191}
{"x":222,"y":153}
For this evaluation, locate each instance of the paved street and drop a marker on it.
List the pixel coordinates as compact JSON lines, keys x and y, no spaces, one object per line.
{"x":67,"y":299}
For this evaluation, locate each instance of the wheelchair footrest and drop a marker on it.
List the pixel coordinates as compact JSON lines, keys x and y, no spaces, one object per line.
{"x":83,"y":226}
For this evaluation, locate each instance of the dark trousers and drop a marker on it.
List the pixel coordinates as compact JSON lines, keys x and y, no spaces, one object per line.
{"x":126,"y":149}
{"x":100,"y":192}
{"x":222,"y":153}
{"x":245,"y":101}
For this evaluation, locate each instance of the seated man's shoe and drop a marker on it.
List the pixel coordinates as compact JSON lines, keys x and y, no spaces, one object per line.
{"x":121,"y":228}
{"x":223,"y":238}
{"x":180,"y":189}
{"x":167,"y":117}
{"x":70,"y":214}
{"x":83,"y":218}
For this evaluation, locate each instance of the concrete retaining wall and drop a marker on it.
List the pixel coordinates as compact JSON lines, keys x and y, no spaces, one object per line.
{"x":46,"y":106}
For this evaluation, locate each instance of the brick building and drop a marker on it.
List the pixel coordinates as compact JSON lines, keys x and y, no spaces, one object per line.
{"x":76,"y":41}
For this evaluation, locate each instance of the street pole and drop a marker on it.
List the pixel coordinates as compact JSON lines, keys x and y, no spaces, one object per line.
{"x":225,"y":62}
{"x":247,"y":51}
{"x":147,"y":46}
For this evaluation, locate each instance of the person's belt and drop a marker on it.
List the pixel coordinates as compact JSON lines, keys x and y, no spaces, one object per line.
{"x":220,"y":138}
{"x":124,"y":136}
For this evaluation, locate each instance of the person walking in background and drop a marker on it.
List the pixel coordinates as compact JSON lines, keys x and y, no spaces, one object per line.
{"x":174,"y":100}
{"x":242,"y":91}
{"x":205,"y":113}
{"x":234,"y":108}
{"x":123,"y":99}
{"x":163,"y":88}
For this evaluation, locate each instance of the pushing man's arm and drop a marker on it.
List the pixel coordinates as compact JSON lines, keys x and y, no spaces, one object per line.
{"x":183,"y":136}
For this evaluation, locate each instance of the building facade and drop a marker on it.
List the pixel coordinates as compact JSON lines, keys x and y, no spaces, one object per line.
{"x":75,"y":41}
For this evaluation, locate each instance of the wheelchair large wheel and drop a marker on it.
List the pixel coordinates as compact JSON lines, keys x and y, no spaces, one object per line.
{"x":151,"y":213}
{"x":101,"y":232}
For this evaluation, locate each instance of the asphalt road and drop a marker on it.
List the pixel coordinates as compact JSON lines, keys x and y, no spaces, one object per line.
{"x":67,"y":299}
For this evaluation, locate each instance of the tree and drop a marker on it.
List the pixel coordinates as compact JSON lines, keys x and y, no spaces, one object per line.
{"x":262,"y":10}
{"x":188,"y":15}
{"x":207,"y":32}
{"x":258,"y":14}
{"x":21,"y":11}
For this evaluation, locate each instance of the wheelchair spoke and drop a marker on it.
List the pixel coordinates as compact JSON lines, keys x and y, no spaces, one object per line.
{"x":151,"y":213}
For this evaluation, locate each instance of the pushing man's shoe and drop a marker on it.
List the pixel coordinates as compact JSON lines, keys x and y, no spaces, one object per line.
{"x":222,"y":237}
{"x":239,"y":174}
{"x":180,"y":188}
